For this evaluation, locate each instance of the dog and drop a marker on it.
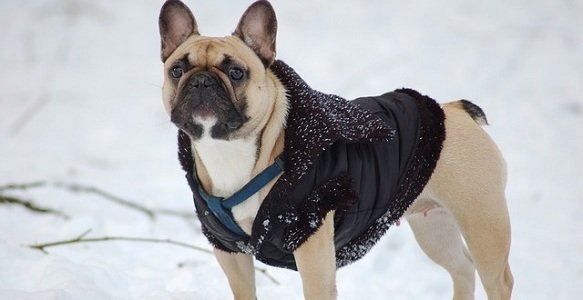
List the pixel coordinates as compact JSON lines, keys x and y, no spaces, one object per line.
{"x":309,"y":181}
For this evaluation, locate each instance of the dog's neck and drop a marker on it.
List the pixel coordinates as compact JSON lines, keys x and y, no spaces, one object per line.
{"x":228,"y":164}
{"x":224,"y":167}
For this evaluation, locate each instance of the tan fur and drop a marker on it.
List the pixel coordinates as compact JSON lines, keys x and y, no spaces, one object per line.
{"x":467,"y":187}
{"x":462,"y":204}
{"x":469,"y":182}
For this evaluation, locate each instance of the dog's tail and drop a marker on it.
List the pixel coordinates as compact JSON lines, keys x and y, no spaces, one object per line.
{"x":473,"y":110}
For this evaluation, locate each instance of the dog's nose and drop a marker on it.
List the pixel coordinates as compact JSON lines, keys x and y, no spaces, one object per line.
{"x":203,"y":80}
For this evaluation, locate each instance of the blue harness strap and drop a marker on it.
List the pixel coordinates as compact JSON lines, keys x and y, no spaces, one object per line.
{"x":221,"y":207}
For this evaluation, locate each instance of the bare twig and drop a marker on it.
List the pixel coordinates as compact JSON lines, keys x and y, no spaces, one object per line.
{"x":22,"y":186}
{"x":82,"y":239}
{"x":31,"y":206}
{"x":29,"y":113}
{"x":78,"y":188}
{"x":150,"y":212}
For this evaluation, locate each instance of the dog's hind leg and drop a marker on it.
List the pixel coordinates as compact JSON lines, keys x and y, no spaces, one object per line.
{"x":469,"y":180}
{"x":486,"y":231}
{"x":437,"y":233}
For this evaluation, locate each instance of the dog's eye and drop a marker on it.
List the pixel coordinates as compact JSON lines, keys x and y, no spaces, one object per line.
{"x":236,"y":73}
{"x":176,"y":72}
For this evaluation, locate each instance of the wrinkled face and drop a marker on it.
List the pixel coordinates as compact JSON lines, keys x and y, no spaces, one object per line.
{"x":218,"y":86}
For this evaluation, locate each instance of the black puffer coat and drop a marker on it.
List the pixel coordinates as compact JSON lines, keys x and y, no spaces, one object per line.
{"x":368,"y":159}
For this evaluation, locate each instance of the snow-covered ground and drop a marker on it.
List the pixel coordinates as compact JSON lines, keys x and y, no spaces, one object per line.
{"x":80,"y":103}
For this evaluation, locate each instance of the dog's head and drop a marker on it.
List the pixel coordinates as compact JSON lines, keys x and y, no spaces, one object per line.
{"x":218,"y":86}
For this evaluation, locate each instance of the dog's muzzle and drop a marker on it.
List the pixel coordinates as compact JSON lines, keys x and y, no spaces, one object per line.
{"x":205,"y":96}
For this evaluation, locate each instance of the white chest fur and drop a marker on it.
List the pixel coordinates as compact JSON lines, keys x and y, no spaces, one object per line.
{"x":230,"y":165}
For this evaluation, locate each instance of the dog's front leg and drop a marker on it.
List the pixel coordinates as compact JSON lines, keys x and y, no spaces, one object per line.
{"x":316,"y":262}
{"x":240,"y":273}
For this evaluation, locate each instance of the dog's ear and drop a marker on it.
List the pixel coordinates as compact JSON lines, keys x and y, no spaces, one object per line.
{"x":176,"y":24}
{"x":257,"y":28}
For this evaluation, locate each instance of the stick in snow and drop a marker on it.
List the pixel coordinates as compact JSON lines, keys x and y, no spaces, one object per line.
{"x":31,"y":206}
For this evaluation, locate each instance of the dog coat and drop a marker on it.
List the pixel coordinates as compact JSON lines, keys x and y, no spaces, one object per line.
{"x":367,"y":159}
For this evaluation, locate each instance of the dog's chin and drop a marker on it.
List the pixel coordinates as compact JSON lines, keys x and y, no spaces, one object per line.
{"x":203,"y":123}
{"x":204,"y":112}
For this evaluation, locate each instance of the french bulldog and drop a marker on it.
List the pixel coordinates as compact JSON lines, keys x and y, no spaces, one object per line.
{"x":309,"y":181}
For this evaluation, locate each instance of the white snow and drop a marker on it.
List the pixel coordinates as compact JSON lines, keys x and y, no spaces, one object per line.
{"x":80,"y":102}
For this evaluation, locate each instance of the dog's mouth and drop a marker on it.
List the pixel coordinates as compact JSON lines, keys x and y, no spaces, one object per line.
{"x":204,"y":106}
